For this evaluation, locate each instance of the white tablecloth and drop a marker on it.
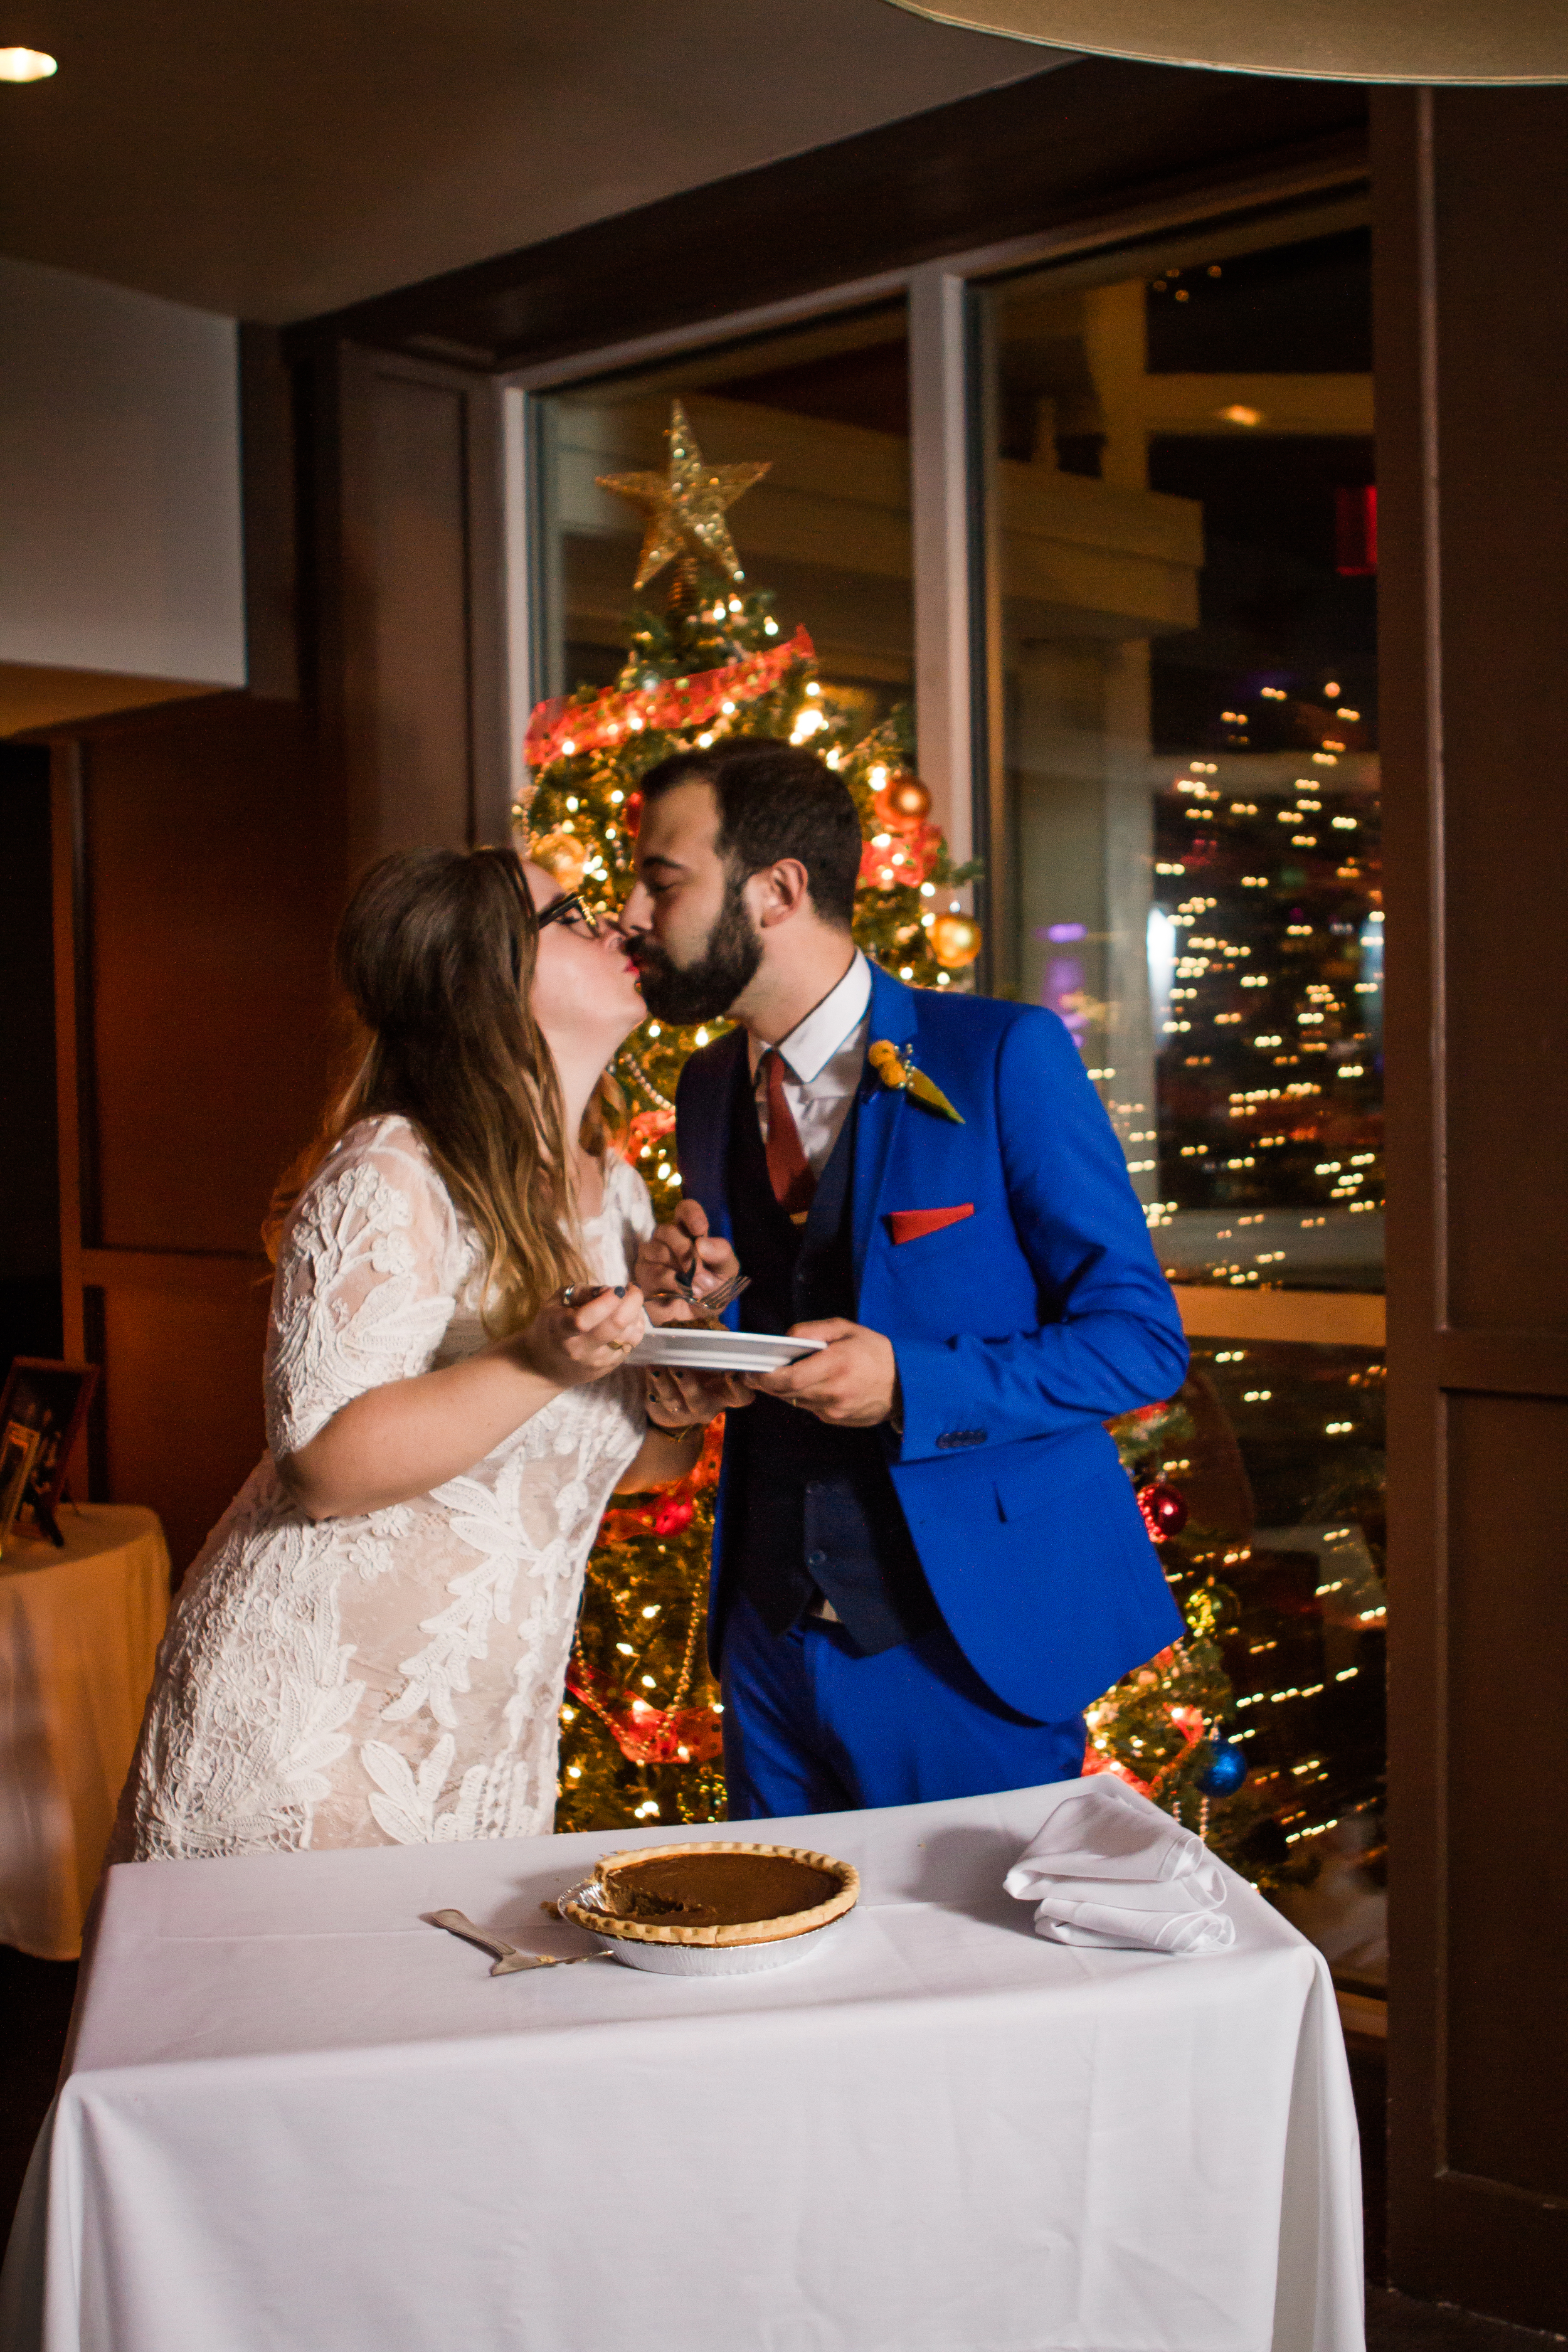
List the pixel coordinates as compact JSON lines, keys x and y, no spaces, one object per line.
{"x":299,"y":2120}
{"x":78,"y":1632}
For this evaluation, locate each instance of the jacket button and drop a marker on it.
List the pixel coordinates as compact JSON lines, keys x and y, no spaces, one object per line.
{"x":817,"y":1560}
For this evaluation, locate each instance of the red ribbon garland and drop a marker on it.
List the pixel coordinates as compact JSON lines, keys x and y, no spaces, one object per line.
{"x":562,"y":727}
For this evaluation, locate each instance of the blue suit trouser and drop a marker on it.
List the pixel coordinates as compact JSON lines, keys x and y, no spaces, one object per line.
{"x":814,"y":1726}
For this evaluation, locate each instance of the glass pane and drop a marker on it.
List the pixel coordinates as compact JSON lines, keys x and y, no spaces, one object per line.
{"x":1190,"y":876}
{"x":1191,"y":868}
{"x":1277,"y":1451}
{"x":826,"y":408}
{"x":1306,"y":1655}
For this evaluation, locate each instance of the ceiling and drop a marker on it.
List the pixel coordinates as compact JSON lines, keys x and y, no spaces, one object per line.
{"x":275,"y":161}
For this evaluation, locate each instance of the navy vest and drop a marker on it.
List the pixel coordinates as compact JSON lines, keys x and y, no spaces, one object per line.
{"x":814,"y":1506}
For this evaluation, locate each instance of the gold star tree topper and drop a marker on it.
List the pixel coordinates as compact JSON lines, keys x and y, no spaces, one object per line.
{"x":685,"y":508}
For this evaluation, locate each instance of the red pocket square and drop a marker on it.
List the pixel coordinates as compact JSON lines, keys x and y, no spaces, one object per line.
{"x":908,"y":1224}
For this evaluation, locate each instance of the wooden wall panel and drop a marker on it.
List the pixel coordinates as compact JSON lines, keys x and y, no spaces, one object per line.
{"x":419,"y":615}
{"x":1502,"y":341}
{"x":1471,"y":194}
{"x":413,"y":558}
{"x":212,"y":879}
{"x":182,"y":1374}
{"x":30,"y":1165}
{"x":1507,"y":2080}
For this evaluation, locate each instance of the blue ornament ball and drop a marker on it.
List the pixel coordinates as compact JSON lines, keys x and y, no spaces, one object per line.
{"x":1225,"y":1770}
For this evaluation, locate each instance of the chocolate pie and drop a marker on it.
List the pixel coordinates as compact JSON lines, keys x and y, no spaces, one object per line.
{"x":727,"y":1893}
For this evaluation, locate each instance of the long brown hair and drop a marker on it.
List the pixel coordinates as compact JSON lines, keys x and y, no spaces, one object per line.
{"x":435,"y":953}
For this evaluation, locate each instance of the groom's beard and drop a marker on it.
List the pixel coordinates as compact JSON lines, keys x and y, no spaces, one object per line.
{"x":703,"y":991}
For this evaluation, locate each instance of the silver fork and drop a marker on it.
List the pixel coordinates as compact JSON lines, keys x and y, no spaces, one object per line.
{"x":713,"y":1302}
{"x":706,"y":1303}
{"x":508,"y":1959}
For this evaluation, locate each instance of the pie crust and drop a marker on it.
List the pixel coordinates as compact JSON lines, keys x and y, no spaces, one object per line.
{"x":816,"y":1912}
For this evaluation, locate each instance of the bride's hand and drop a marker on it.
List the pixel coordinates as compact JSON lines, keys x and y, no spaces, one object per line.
{"x":684,"y":1251}
{"x":581,"y":1335}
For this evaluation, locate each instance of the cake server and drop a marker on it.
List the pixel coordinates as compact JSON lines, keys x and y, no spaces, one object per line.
{"x":509,"y":1960}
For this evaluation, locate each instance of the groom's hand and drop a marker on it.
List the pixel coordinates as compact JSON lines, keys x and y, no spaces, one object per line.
{"x":688,"y":1250}
{"x":852,"y":1382}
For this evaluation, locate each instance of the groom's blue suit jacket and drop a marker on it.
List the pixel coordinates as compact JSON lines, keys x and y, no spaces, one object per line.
{"x":1020,"y":1329}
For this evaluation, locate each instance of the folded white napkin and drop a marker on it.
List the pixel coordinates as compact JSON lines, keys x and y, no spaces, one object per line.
{"x":1109,"y":1871}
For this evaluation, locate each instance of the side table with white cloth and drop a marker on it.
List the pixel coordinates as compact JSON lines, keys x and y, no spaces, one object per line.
{"x":298,"y":2115}
{"x":79,"y":1634}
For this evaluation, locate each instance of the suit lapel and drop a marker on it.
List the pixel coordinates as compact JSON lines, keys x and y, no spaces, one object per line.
{"x":878,"y":1109}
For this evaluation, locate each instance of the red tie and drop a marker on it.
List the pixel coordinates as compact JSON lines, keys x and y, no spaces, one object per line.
{"x":789,"y":1170}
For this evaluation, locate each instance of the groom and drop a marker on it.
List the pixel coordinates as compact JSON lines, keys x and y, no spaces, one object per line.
{"x":926,"y":1558}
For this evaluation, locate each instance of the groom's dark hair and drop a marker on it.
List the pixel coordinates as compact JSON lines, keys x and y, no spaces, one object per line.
{"x":776,"y":800}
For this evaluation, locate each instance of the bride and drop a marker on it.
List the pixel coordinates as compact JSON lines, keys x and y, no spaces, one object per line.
{"x":372,"y":1645}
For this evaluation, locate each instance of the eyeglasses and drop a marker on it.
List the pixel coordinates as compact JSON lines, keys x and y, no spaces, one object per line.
{"x":570,"y":910}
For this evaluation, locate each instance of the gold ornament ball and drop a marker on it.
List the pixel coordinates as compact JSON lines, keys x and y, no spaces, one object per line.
{"x":908,"y":798}
{"x":955,"y":941}
{"x":563,"y":856}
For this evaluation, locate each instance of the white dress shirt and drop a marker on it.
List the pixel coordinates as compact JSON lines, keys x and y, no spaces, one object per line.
{"x":823,"y":1057}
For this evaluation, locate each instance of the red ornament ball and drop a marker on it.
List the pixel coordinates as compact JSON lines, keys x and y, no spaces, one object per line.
{"x":1164,"y":1509}
{"x":908,"y":798}
{"x":671,"y":1517}
{"x":631,"y":814}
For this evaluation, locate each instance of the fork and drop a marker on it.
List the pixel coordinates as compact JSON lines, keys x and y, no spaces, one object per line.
{"x":707,"y":1304}
{"x":508,"y":1959}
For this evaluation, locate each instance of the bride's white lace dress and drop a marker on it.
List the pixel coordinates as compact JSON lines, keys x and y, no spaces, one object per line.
{"x":395,"y":1677}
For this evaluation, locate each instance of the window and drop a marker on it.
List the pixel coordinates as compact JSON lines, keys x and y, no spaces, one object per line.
{"x":1187,"y":868}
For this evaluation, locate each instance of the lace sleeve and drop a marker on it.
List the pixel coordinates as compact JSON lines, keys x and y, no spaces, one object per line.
{"x":366,"y":1283}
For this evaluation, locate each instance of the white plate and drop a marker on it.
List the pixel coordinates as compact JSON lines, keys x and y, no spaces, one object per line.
{"x":704,"y":1959}
{"x":688,"y":1350}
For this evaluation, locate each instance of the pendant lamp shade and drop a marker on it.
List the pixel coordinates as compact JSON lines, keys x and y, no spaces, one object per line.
{"x":1469,"y":41}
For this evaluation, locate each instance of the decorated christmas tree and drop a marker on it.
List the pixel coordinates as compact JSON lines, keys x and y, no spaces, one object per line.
{"x":641,"y":1727}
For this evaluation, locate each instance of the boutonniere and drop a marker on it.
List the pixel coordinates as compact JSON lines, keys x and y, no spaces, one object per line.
{"x":898,"y":1071}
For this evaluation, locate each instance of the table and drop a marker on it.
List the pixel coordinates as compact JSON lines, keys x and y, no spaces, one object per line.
{"x":297,"y":2118}
{"x":78,"y":1632}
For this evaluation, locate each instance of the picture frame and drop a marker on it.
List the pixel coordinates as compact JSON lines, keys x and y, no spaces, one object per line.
{"x":52,"y":1398}
{"x":19,"y":1443}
